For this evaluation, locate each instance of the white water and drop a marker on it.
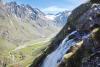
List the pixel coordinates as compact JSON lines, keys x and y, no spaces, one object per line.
{"x":53,"y":59}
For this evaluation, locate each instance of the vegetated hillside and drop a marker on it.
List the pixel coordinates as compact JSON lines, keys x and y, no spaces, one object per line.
{"x":23,"y":33}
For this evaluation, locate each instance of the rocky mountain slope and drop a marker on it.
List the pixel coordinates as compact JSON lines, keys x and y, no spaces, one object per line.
{"x":30,"y":21}
{"x":61,"y":18}
{"x":21,"y":23}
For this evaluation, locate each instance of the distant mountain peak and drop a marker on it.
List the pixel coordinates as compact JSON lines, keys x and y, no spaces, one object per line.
{"x":61,"y":17}
{"x":12,"y":3}
{"x":64,"y":12}
{"x":23,"y":11}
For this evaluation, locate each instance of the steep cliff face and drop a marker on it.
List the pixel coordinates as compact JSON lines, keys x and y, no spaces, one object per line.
{"x":88,"y":55}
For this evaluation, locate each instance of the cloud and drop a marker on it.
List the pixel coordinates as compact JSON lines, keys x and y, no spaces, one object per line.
{"x":53,"y":9}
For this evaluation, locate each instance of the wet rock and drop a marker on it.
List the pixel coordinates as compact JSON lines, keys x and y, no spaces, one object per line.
{"x":92,"y":61}
{"x":71,"y":58}
{"x":88,"y":22}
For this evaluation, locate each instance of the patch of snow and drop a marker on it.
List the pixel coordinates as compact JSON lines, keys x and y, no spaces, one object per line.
{"x":50,"y":17}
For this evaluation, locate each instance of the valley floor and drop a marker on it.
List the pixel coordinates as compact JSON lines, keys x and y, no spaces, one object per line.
{"x":21,"y":56}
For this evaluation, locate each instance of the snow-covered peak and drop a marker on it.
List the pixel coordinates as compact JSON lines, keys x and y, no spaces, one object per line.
{"x":61,"y":17}
{"x":63,"y":13}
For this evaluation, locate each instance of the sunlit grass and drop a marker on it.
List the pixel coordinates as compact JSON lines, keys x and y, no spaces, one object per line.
{"x":25,"y":56}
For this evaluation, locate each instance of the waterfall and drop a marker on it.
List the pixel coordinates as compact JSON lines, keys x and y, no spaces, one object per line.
{"x":53,"y":59}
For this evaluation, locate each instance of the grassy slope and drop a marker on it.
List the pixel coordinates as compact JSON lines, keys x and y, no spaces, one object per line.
{"x":5,"y":48}
{"x":25,"y":56}
{"x":21,"y":57}
{"x":14,"y":33}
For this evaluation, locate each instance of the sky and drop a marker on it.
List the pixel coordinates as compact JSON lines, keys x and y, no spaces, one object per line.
{"x":51,"y":6}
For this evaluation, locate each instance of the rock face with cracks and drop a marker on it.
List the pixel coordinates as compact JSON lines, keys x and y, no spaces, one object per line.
{"x":88,"y":55}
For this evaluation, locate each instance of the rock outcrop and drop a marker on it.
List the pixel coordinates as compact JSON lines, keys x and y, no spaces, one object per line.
{"x":88,"y":55}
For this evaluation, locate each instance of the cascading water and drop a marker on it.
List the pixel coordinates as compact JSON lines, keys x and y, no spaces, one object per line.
{"x":53,"y":59}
